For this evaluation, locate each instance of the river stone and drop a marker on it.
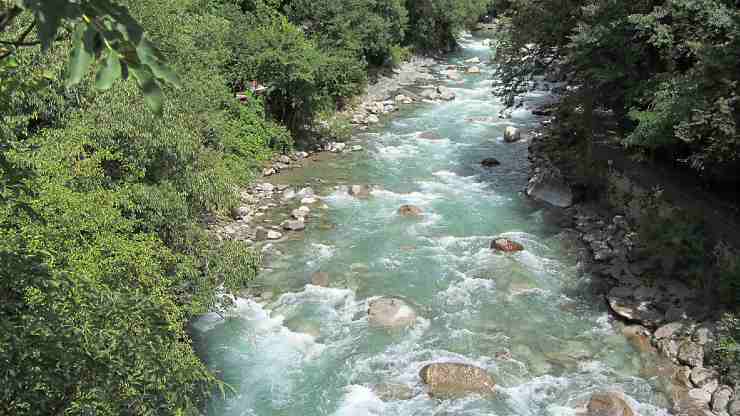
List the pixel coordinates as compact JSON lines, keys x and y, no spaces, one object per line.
{"x":445,"y":93}
{"x":474,"y":60}
{"x":359,"y":191}
{"x":240,"y":212}
{"x":506,"y":245}
{"x":639,"y":337}
{"x":372,"y":119}
{"x":309,"y":200}
{"x":608,"y":404}
{"x":668,"y":330}
{"x":703,"y":336}
{"x":512,"y":134}
{"x":668,"y":347}
{"x":450,"y":380}
{"x":300,"y":213}
{"x":490,"y":162}
{"x":721,"y":398}
{"x":320,"y":279}
{"x":699,"y":397}
{"x":390,"y":312}
{"x":410,"y":211}
{"x":288,"y":194}
{"x":305,"y":192}
{"x":430,"y":135}
{"x":429,"y":94}
{"x":265,"y":187}
{"x":549,"y":188}
{"x":453,"y":75}
{"x":293,"y":225}
{"x":691,"y":354}
{"x":260,"y":234}
{"x":705,"y":378}
{"x":393,"y":392}
{"x":273,"y":235}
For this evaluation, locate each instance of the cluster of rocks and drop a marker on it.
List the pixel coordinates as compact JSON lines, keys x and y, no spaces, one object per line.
{"x":284,"y":162}
{"x":432,"y":94}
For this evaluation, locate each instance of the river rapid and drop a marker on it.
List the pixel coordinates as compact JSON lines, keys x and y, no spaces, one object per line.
{"x":529,"y":318}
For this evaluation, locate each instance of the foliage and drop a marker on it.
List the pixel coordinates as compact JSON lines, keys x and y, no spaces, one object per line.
{"x":434,"y":24}
{"x":103,"y":32}
{"x":727,"y":349}
{"x":669,"y":71}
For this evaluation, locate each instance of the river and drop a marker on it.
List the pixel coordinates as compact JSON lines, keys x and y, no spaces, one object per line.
{"x":529,"y":318}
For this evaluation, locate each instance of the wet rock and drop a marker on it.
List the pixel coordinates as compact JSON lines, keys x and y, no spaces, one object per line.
{"x":305,"y":192}
{"x":359,"y":191}
{"x":453,"y":75}
{"x":474,"y":60}
{"x":268,"y":171}
{"x":389,"y":312}
{"x":356,"y":148}
{"x":409,"y":211}
{"x":490,"y":162}
{"x":632,"y":309}
{"x":265,"y":187}
{"x":309,"y":200}
{"x":506,"y":245}
{"x":549,"y":187}
{"x":337,"y":147}
{"x":301,"y":213}
{"x":372,"y":119}
{"x":691,"y":353}
{"x":429,"y":94}
{"x":274,"y":235}
{"x":473,"y":70}
{"x":445,"y":93}
{"x":450,"y":380}
{"x":639,"y":337}
{"x":668,"y":330}
{"x":721,"y":398}
{"x":240,"y":212}
{"x":608,"y":404}
{"x":393,"y":392}
{"x":301,"y":155}
{"x":285,"y":159}
{"x":293,"y":225}
{"x":669,"y":348}
{"x":705,"y":379}
{"x":320,"y":279}
{"x":430,"y":135}
{"x":512,"y":134}
{"x":402,"y":99}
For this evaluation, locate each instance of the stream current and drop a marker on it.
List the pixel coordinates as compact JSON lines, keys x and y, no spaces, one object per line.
{"x":528,"y":318}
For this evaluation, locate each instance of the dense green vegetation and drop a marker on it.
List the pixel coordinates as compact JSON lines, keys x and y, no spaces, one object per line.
{"x":104,"y":254}
{"x":669,"y":71}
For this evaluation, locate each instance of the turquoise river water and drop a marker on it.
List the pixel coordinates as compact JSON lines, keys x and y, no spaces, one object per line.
{"x":309,"y":351}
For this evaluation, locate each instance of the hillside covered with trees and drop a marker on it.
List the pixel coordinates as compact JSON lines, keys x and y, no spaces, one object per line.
{"x":105,"y":183}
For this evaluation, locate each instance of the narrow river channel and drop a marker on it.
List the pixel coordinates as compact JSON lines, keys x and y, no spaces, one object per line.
{"x":528,"y":318}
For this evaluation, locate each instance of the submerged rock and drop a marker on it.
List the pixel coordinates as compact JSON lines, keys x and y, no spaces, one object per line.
{"x":450,"y":380}
{"x":506,"y":245}
{"x":430,"y":135}
{"x":608,"y":404}
{"x":392,"y":392}
{"x":390,"y":312}
{"x":490,"y":162}
{"x":410,"y":211}
{"x":293,"y":225}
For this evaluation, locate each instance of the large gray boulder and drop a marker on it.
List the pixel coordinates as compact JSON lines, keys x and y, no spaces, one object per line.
{"x":512,"y":134}
{"x":450,"y":380}
{"x":549,"y":187}
{"x":390,"y":312}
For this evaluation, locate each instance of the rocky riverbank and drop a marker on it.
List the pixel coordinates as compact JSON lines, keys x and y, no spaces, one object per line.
{"x":671,"y":324}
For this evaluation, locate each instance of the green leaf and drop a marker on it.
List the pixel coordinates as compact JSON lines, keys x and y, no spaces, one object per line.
{"x":80,"y":58}
{"x":109,"y":73}
{"x":149,"y":87}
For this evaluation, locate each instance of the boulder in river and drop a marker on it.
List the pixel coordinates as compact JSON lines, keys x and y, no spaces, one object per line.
{"x":490,"y":162}
{"x":359,"y":191}
{"x":473,"y":70}
{"x":409,"y":211}
{"x":474,"y":60}
{"x":320,"y":279}
{"x":445,"y":93}
{"x":450,"y":380}
{"x":389,"y":312}
{"x":608,"y":404}
{"x":506,"y":245}
{"x":512,"y":134}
